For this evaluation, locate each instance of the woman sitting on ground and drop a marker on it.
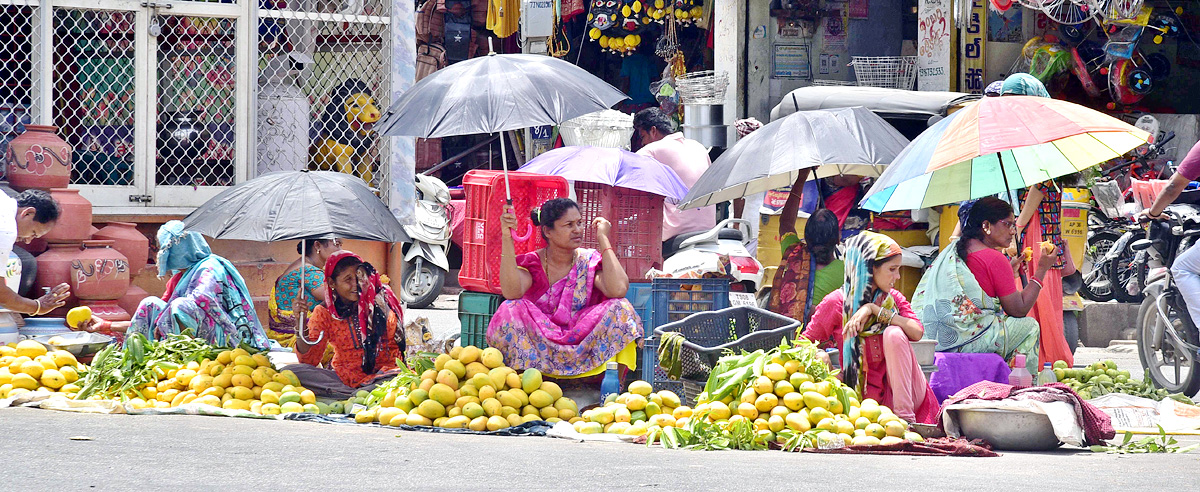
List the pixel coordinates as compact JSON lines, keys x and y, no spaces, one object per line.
{"x":810,"y":269}
{"x":287,"y":288}
{"x":968,"y":299}
{"x":206,"y":296}
{"x":566,"y":314}
{"x":872,"y":323}
{"x":360,"y":324}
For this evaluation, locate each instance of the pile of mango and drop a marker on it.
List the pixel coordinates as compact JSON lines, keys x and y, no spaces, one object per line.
{"x":28,"y":366}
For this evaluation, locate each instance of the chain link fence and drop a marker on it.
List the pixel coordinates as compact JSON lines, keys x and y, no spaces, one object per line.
{"x":17,"y":91}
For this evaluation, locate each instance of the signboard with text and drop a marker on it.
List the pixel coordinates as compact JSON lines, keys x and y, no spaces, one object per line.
{"x":972,"y":39}
{"x":933,"y":45}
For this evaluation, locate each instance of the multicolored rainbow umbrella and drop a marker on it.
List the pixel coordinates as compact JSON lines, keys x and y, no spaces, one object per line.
{"x":998,"y":144}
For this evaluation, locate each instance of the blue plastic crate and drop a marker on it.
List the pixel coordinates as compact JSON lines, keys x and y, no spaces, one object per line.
{"x":475,"y":310}
{"x":639,"y":295}
{"x":675,"y":298}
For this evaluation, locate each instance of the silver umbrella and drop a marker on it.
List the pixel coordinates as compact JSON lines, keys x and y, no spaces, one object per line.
{"x":496,"y":93}
{"x":828,"y":141}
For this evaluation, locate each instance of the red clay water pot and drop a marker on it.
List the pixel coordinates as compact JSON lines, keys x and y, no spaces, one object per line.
{"x":35,"y":247}
{"x":107,"y":310}
{"x":54,"y":267}
{"x":99,"y":272}
{"x":38,"y":158}
{"x":131,"y":243}
{"x":132,"y":298}
{"x":75,"y":220}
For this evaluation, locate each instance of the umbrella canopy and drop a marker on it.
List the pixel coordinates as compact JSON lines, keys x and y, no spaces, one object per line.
{"x":613,"y":167}
{"x":999,"y":144}
{"x":297,"y":205}
{"x":829,"y":141}
{"x":497,"y":93}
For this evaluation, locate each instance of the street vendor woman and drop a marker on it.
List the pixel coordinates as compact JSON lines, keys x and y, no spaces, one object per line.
{"x":872,"y":323}
{"x":566,"y":314}
{"x":968,"y":298}
{"x":359,"y":319}
{"x":307,"y":282}
{"x":205,"y":296}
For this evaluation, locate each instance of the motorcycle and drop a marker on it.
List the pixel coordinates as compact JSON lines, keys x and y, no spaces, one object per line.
{"x":717,"y":250}
{"x":425,"y":263}
{"x":1168,"y":341}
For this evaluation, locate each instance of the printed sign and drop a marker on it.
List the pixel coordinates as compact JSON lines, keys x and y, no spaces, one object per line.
{"x":933,"y":45}
{"x":972,"y":37}
{"x":792,"y":61}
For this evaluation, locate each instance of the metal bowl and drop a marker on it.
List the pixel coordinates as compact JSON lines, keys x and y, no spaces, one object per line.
{"x":923,"y":350}
{"x":78,"y":343}
{"x":1005,"y":429}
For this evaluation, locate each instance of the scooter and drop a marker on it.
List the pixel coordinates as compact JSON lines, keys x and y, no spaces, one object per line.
{"x":720,"y":250}
{"x":1168,"y":340}
{"x":425,"y":263}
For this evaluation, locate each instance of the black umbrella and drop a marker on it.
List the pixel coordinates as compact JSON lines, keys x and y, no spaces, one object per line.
{"x":297,"y":205}
{"x":497,"y":93}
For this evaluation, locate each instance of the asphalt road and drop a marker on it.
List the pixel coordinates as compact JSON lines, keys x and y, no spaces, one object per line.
{"x":219,"y":453}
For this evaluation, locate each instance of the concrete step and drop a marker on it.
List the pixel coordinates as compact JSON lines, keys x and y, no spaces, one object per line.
{"x":1103,"y":322}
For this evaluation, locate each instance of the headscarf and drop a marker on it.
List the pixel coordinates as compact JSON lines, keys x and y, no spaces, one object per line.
{"x":375,"y":300}
{"x":859,"y":289}
{"x":179,"y":249}
{"x":964,"y":211}
{"x":1023,"y":84}
{"x":994,"y":88}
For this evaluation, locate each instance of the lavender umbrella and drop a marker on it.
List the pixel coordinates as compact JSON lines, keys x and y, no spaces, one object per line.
{"x":613,"y":167}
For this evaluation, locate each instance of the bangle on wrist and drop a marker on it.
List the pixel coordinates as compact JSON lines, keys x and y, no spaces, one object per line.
{"x":38,"y":311}
{"x":1036,"y":281}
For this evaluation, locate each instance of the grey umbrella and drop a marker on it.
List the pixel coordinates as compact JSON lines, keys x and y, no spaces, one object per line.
{"x":497,"y":93}
{"x":298,"y":205}
{"x":828,"y":141}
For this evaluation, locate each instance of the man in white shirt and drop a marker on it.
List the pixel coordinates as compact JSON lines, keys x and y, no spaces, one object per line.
{"x":687,"y":157}
{"x":30,"y":216}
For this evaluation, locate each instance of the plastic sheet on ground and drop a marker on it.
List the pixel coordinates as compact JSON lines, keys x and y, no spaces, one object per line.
{"x":1135,"y":413}
{"x":535,"y":428}
{"x":563,"y":430}
{"x":1061,"y":414}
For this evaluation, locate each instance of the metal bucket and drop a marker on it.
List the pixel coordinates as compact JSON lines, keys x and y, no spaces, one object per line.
{"x":710,"y":136}
{"x":703,"y":114}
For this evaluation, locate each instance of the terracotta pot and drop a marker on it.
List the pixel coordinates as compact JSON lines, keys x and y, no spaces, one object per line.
{"x":132,"y":298}
{"x":107,"y":310}
{"x":54,"y":267}
{"x":75,"y":220}
{"x":38,"y":158}
{"x":131,"y":243}
{"x":36,"y":246}
{"x":99,"y":272}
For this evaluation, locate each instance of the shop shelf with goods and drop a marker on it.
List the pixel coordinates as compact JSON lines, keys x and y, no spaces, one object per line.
{"x":485,"y":191}
{"x":636,"y":218}
{"x":475,"y":311}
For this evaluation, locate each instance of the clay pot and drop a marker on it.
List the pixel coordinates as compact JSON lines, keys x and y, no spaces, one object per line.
{"x":132,"y":298}
{"x":36,"y":246}
{"x":131,"y":243}
{"x":107,"y":310}
{"x":75,"y":220}
{"x":38,"y":158}
{"x":54,"y":267}
{"x":99,"y":272}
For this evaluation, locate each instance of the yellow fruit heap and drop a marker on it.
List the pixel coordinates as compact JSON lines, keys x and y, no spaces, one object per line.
{"x":472,"y":388}
{"x":788,"y":402}
{"x":634,"y":412}
{"x":27,"y":367}
{"x":236,"y":380}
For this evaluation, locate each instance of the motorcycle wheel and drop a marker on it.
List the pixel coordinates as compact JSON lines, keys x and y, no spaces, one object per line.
{"x":1119,"y":273}
{"x":418,"y":289}
{"x":1100,"y":289}
{"x":1171,"y":366}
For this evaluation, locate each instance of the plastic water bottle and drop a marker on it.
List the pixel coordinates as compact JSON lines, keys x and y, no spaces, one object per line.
{"x":1046,"y":376}
{"x":1020,"y":376}
{"x":612,"y":382}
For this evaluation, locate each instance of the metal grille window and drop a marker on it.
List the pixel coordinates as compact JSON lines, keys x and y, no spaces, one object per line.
{"x":323,"y":84}
{"x":17,"y":89}
{"x":94,"y":92}
{"x":196,"y":84}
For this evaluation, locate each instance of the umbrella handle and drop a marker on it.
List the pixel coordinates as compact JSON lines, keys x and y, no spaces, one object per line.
{"x":524,"y":235}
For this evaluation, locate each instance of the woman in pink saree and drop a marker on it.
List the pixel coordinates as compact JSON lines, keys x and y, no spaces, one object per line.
{"x":566,"y":314}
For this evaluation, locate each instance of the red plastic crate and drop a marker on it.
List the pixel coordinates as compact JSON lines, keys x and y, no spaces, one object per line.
{"x":637,"y":219}
{"x":481,"y":233}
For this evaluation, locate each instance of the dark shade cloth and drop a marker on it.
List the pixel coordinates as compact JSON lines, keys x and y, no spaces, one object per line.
{"x":957,"y":371}
{"x":1097,"y":426}
{"x":535,"y":428}
{"x":942,"y":446}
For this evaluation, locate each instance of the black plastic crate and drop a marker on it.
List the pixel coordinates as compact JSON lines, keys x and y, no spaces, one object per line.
{"x":709,"y":334}
{"x":688,"y":390}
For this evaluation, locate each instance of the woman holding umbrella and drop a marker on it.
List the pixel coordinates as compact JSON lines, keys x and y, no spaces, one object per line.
{"x":359,"y":320}
{"x":206,"y":296}
{"x":566,"y":313}
{"x":810,"y":268}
